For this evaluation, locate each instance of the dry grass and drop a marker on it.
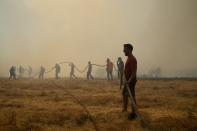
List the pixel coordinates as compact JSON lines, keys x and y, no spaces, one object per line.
{"x":40,"y":105}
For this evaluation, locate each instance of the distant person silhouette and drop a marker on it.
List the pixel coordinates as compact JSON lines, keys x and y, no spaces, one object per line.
{"x":89,"y":75}
{"x":72,"y":71}
{"x":21,"y":71}
{"x":120,"y":65}
{"x":41,"y":73}
{"x":109,"y":69}
{"x":57,"y":71}
{"x":13,"y":72}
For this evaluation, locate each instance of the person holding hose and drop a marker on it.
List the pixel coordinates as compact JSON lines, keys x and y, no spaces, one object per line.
{"x":130,"y":72}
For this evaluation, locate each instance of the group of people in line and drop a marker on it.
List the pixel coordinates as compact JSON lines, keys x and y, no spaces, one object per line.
{"x":128,"y":70}
{"x":21,"y":71}
{"x":109,"y":69}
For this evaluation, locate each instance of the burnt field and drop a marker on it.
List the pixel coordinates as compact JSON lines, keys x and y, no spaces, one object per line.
{"x":85,"y":105}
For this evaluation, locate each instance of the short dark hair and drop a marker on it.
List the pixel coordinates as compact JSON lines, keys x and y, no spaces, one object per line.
{"x":129,"y":46}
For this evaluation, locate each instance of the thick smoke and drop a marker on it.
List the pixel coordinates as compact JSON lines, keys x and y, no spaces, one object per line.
{"x":163,"y":33}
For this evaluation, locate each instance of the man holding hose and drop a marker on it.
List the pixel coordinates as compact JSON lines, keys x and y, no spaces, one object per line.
{"x":130,"y":72}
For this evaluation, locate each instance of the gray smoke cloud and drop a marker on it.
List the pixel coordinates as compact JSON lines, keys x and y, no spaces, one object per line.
{"x":163,"y":33}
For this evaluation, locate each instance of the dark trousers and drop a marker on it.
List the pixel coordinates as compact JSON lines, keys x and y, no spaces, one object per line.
{"x":109,"y":75}
{"x":41,"y":76}
{"x":72,"y":75}
{"x":89,"y":75}
{"x":120,"y":76}
{"x":12,"y":76}
{"x":56,"y":75}
{"x":125,"y":94}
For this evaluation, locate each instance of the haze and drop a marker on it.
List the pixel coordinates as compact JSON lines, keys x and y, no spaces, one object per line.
{"x":45,"y":32}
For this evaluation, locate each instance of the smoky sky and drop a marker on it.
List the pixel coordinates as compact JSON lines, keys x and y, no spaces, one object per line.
{"x":163,"y":33}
